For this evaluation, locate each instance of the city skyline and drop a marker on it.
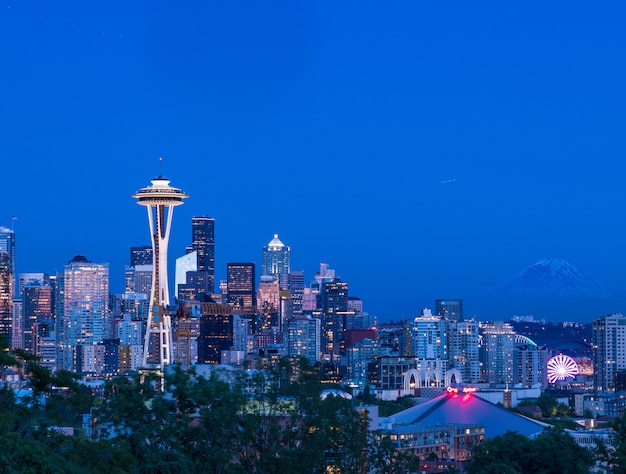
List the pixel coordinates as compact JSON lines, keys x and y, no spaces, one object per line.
{"x":446,"y":147}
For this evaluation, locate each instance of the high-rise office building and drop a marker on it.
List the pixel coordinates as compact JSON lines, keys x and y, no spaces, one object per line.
{"x":241,"y":281}
{"x":135,"y":305}
{"x":37,"y":311}
{"x":31,"y":279}
{"x":203,"y":242}
{"x":451,"y":310}
{"x":160,"y":199}
{"x":17,"y":324}
{"x":609,"y":350}
{"x":85,"y":318}
{"x":276,"y":261}
{"x":268,"y":301}
{"x":184,"y":264}
{"x":7,"y":244}
{"x":216,"y":332}
{"x":334,"y":305}
{"x":139,"y":272}
{"x":296,"y":293}
{"x":141,"y":255}
{"x":6,"y":297}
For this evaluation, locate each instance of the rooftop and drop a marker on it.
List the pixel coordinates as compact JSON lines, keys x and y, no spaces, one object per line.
{"x":468,"y":409}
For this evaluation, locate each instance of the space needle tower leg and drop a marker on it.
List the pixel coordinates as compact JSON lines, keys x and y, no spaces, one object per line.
{"x":160,"y":199}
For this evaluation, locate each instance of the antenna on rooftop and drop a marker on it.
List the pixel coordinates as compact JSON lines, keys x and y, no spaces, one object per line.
{"x":13,"y":223}
{"x":160,"y":166}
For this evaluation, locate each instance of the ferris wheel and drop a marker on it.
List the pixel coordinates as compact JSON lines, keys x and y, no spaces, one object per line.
{"x":561,"y":367}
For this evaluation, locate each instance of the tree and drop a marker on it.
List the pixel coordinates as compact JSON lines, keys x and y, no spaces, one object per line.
{"x":548,"y":405}
{"x":618,"y":458}
{"x":552,"y":452}
{"x":384,"y":457}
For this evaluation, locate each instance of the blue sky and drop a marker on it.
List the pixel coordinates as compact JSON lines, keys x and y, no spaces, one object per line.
{"x":422,"y":149}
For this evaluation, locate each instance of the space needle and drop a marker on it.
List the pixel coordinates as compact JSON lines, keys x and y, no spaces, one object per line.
{"x":160,"y":199}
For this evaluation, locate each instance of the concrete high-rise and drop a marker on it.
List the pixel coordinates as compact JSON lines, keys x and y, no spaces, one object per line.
{"x":530,"y":366}
{"x":159,"y":199}
{"x":609,"y":350}
{"x":496,"y":352}
{"x":203,"y":242}
{"x":85,"y":318}
{"x":429,"y":337}
{"x":303,"y":338}
{"x":463,"y":349}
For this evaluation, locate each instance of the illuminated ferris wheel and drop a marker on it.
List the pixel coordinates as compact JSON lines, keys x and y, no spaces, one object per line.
{"x":561,"y":367}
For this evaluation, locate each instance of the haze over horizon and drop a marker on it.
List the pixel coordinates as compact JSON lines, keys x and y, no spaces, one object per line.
{"x":422,"y":150}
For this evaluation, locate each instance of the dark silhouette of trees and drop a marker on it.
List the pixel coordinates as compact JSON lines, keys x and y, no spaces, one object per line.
{"x":552,"y":452}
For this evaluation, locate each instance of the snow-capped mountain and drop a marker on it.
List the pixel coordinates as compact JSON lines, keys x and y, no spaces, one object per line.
{"x":552,"y":278}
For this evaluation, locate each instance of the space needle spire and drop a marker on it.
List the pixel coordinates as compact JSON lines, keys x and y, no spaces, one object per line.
{"x":160,"y":199}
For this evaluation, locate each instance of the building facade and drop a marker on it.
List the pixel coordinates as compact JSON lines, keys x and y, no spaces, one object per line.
{"x":498,"y":342}
{"x":240,"y":284}
{"x":85,"y":319}
{"x":6,"y":297}
{"x":451,"y":310}
{"x":203,"y":242}
{"x":609,"y":350}
{"x":463,"y":353}
{"x":276,"y":261}
{"x":303,"y":338}
{"x":7,"y":245}
{"x":334,"y":306}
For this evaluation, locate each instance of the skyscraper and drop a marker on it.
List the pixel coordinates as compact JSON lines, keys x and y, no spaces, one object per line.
{"x":6,"y":297}
{"x":241,"y":281}
{"x":85,"y":320}
{"x":203,"y":242}
{"x":37,"y":311}
{"x":159,"y":199}
{"x":184,"y":264}
{"x":216,"y":332}
{"x":334,"y":304}
{"x":7,"y":244}
{"x":296,"y":292}
{"x":276,"y":261}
